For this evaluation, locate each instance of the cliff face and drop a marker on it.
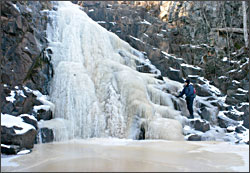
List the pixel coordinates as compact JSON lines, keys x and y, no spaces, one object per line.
{"x":204,"y":34}
{"x":25,"y":62}
{"x":23,"y":44}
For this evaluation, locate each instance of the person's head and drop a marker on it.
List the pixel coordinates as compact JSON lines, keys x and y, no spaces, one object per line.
{"x":187,"y":82}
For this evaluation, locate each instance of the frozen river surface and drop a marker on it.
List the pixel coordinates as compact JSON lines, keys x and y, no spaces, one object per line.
{"x":130,"y":155}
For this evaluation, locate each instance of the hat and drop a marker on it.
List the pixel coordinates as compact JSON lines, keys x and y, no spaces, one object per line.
{"x":187,"y":81}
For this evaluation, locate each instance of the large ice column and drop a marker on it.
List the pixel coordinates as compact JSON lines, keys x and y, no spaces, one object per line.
{"x":96,"y":88}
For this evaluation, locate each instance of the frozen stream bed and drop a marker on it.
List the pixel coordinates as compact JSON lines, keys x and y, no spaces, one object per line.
{"x":130,"y":155}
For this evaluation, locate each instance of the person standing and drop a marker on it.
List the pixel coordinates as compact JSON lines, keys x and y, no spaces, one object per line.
{"x":189,"y":91}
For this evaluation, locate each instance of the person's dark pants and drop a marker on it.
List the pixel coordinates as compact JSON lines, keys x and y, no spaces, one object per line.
{"x":190,"y":101}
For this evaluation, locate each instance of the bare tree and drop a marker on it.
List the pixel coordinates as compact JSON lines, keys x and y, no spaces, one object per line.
{"x":245,"y":23}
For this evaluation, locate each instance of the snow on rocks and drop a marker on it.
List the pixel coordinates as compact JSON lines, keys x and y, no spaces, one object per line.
{"x":47,"y":105}
{"x":23,"y":152}
{"x":19,"y":117}
{"x":16,"y":132}
{"x":11,"y":121}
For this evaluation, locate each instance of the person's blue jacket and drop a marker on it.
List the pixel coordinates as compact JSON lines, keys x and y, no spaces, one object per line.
{"x":188,"y":91}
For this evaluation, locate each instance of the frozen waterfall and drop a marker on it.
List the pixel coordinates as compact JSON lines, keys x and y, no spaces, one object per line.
{"x":96,"y":89}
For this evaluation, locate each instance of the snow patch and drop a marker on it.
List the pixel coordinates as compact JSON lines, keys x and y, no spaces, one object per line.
{"x":43,"y":107}
{"x":27,"y":115}
{"x":42,"y":98}
{"x":10,"y":121}
{"x":16,"y":7}
{"x":235,"y":81}
{"x":136,"y":39}
{"x":11,"y":98}
{"x":242,"y":90}
{"x":113,"y":23}
{"x":23,"y":152}
{"x":20,"y":92}
{"x":100,"y":21}
{"x":222,"y":77}
{"x":172,"y":69}
{"x":224,"y":59}
{"x":190,"y":66}
{"x":5,"y":146}
{"x":145,"y":22}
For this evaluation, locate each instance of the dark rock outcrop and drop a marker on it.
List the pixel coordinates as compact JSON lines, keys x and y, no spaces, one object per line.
{"x":200,"y":125}
{"x":24,"y":62}
{"x":10,"y":149}
{"x":30,"y":121}
{"x":44,"y":115}
{"x":9,"y":137}
{"x":194,"y":138}
{"x":23,"y":45}
{"x":47,"y":135}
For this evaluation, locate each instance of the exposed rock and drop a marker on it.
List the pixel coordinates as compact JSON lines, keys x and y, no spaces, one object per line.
{"x":25,"y":140}
{"x":47,"y":135}
{"x":10,"y":149}
{"x":175,"y":75}
{"x":194,"y":138}
{"x":240,"y":129}
{"x":200,"y":125}
{"x":224,"y":122}
{"x":205,"y":114}
{"x":246,"y":120}
{"x":244,"y":108}
{"x":22,"y":44}
{"x":233,"y":116}
{"x":27,"y":120}
{"x":201,"y":91}
{"x":8,"y":108}
{"x":44,"y":115}
{"x":23,"y":63}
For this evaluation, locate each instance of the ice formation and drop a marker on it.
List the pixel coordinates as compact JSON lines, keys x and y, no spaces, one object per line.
{"x":96,"y":89}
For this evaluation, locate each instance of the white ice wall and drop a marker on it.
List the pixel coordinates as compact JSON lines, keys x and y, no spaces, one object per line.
{"x":96,"y":88}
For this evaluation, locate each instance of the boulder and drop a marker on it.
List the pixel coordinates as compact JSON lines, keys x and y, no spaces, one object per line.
{"x":233,"y":116}
{"x":201,"y":91}
{"x":26,"y":140}
{"x":175,"y":75}
{"x":190,"y":70}
{"x":43,"y":115}
{"x":225,"y":122}
{"x":231,"y":100}
{"x":10,"y":149}
{"x":205,"y":114}
{"x":200,"y":125}
{"x":194,"y":138}
{"x":28,"y":120}
{"x":47,"y":135}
